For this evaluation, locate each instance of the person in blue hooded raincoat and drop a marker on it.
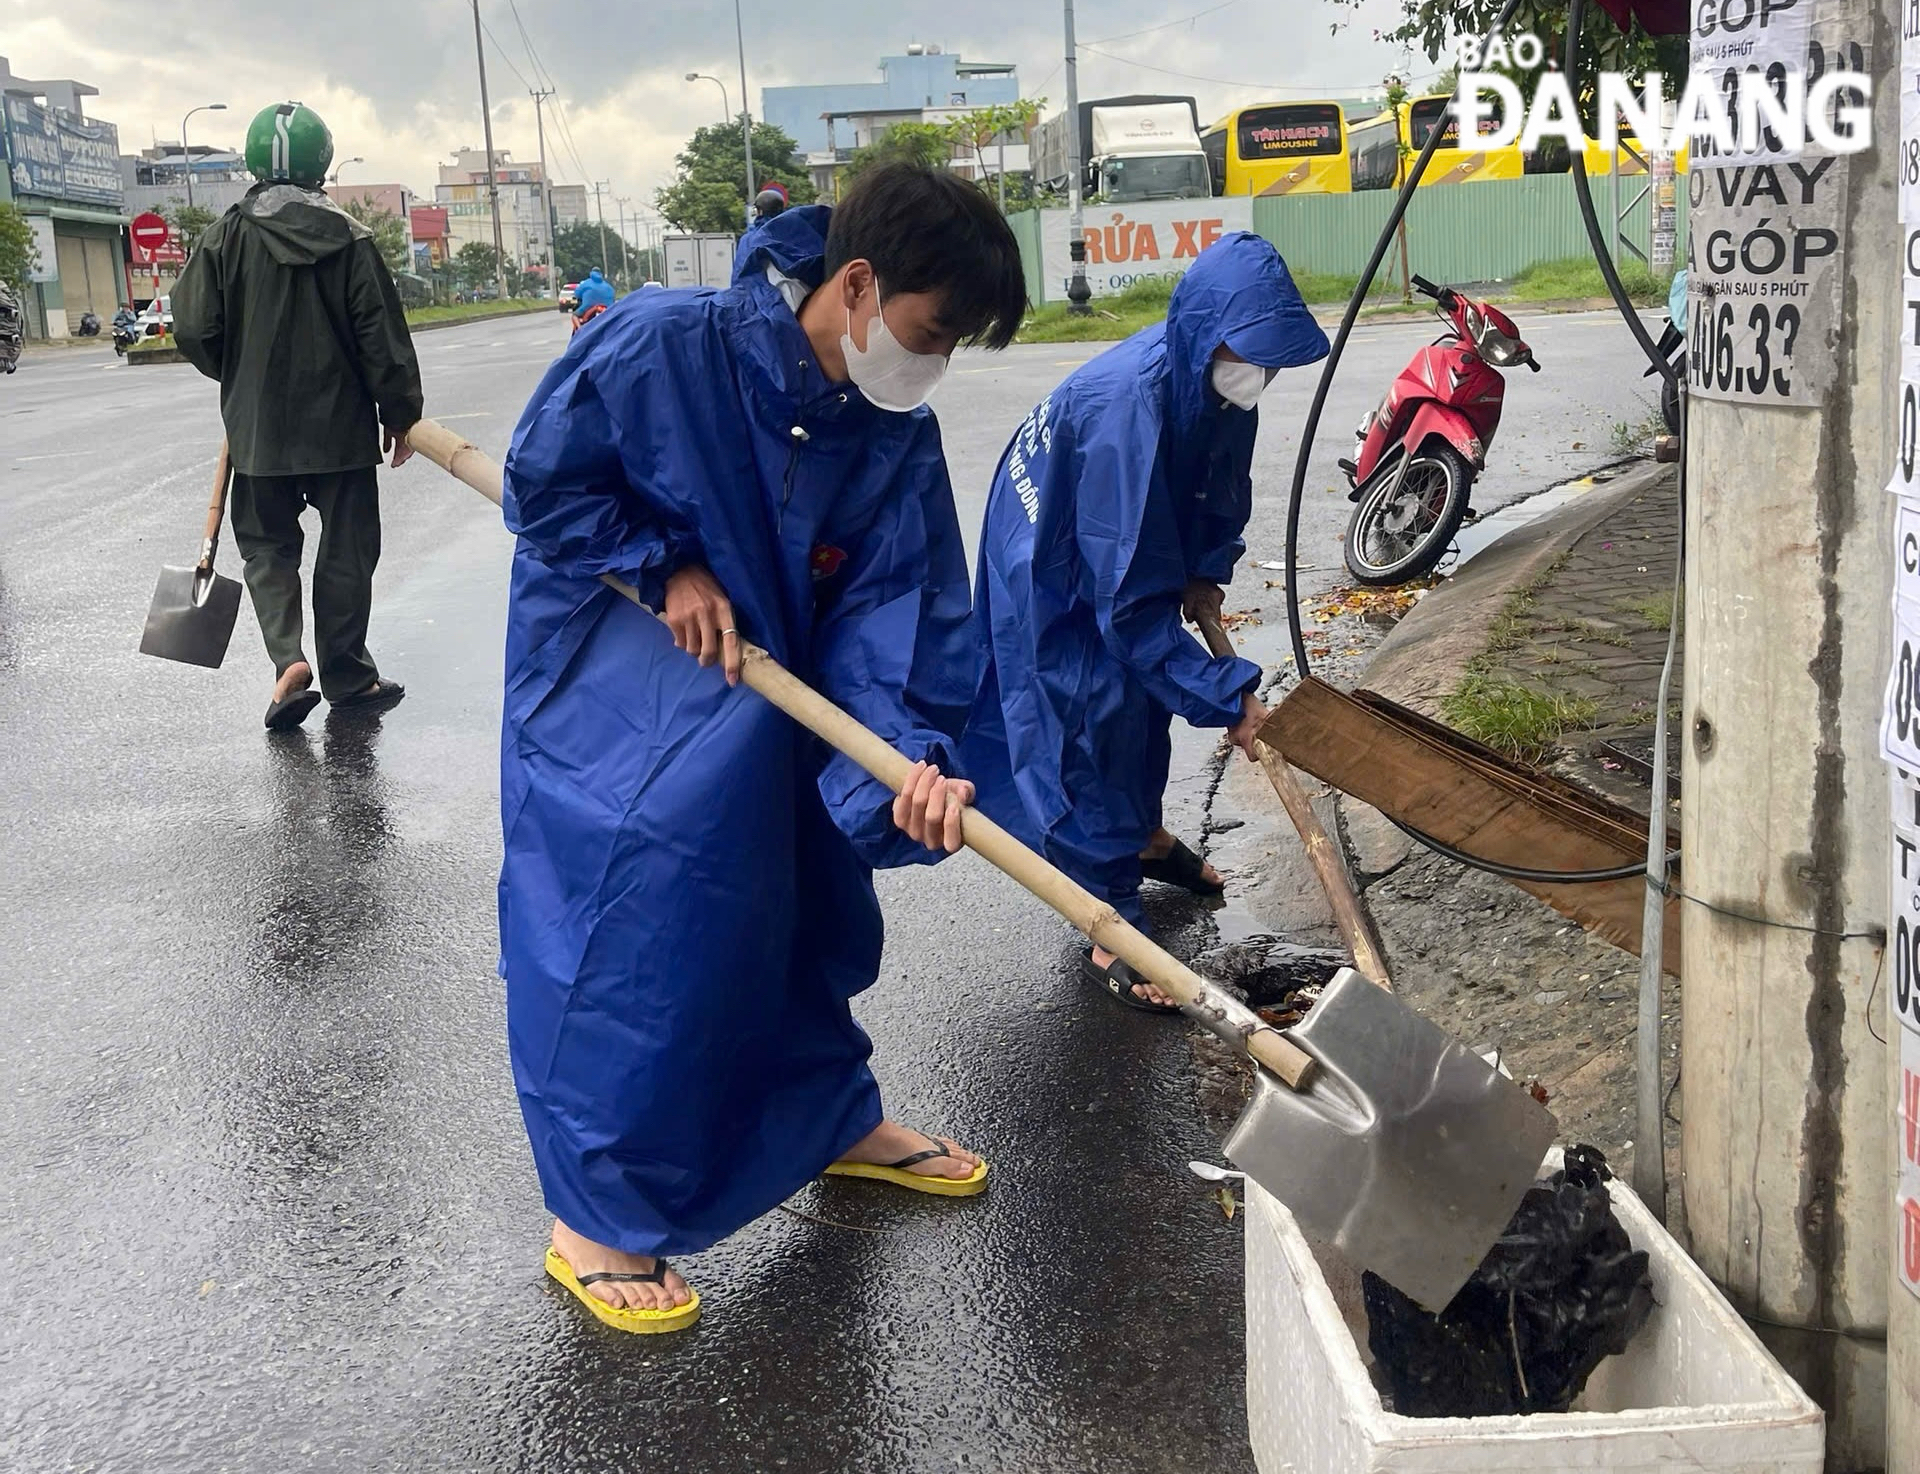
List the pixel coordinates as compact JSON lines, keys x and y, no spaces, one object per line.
{"x":1117,"y":508}
{"x":686,"y":900}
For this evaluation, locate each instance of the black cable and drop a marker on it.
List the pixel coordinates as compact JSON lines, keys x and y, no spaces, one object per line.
{"x":1602,"y":257}
{"x":1297,"y":492}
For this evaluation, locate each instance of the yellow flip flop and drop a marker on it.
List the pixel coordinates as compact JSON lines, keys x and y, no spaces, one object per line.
{"x":639,"y":1322}
{"x":899,"y":1176}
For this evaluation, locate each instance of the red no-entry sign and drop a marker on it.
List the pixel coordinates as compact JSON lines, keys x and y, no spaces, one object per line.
{"x":150,"y":232}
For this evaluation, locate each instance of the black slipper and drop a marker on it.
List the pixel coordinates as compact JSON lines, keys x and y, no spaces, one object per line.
{"x":1182,"y":867}
{"x":1118,"y":980}
{"x":291,"y":710}
{"x":377,"y":697}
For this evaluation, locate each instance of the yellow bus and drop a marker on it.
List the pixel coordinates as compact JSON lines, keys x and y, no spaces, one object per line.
{"x":1279,"y":148}
{"x":1374,"y":148}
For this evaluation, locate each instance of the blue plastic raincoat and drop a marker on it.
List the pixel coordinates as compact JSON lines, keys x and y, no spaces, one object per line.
{"x":1128,"y":480}
{"x":686,"y":903}
{"x":595,"y":291}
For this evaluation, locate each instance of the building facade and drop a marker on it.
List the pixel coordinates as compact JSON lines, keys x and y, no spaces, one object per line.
{"x":527,"y":203}
{"x":62,"y":170}
{"x":926,"y":85}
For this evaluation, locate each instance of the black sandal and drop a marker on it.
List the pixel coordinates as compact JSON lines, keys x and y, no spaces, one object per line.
{"x":291,"y":710}
{"x":1118,"y":980}
{"x":377,"y":697}
{"x":1182,"y":867}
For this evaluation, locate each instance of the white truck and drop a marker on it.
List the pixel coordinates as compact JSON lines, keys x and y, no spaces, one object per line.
{"x":1135,"y":148}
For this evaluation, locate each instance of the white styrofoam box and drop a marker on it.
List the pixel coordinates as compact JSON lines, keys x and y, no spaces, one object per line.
{"x":1695,"y":1389}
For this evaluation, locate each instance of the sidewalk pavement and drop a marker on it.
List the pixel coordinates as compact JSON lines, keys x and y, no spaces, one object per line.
{"x":1575,"y":608}
{"x":1571,"y":608}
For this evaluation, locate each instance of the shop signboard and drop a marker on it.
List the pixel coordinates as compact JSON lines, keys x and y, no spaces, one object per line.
{"x":58,"y":156}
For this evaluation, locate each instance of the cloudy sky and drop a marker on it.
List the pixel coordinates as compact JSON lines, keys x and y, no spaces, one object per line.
{"x":395,"y":79}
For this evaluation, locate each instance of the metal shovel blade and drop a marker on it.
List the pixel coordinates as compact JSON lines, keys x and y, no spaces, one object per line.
{"x":192,"y":616}
{"x":1406,"y":1151}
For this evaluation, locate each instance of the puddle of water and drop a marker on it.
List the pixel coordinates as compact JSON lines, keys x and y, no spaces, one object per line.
{"x":1477,"y":538}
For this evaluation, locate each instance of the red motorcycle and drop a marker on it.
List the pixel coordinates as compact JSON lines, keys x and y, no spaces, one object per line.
{"x":1418,"y":453}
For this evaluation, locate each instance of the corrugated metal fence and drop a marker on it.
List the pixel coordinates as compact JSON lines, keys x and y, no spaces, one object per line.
{"x":1459,"y":233}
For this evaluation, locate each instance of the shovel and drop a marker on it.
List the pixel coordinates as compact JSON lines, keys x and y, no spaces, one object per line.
{"x":193,"y":609}
{"x":1356,"y":929}
{"x":1381,"y":1133}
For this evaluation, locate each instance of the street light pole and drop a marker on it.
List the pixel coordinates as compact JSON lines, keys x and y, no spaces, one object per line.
{"x":340,"y":168}
{"x":746,"y":110}
{"x":493,"y":173}
{"x":205,"y":107}
{"x":1078,"y":293}
{"x":626,"y":271}
{"x":726,"y":107}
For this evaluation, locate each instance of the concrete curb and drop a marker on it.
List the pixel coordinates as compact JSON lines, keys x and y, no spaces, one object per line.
{"x":1428,"y":651}
{"x":466,"y":322}
{"x":155,"y":355}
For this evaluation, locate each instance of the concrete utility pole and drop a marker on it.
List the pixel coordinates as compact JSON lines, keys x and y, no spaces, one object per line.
{"x":1788,"y":1182}
{"x":1078,"y":293}
{"x":493,"y":173}
{"x":540,"y":96}
{"x":626,"y":271}
{"x":601,"y":211}
{"x":746,"y":111}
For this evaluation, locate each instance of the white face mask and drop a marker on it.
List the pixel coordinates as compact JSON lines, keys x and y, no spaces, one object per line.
{"x":1239,"y":383}
{"x":890,"y":375}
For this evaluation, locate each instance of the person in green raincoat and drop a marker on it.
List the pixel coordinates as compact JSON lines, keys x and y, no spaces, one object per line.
{"x":287,"y":303}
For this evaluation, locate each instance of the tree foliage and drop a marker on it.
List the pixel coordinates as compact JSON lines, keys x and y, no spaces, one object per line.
{"x":476,"y":264}
{"x":576,"y":251}
{"x":187,"y":222}
{"x":928,"y":144}
{"x":1431,"y":25}
{"x":18,"y":254}
{"x":709,"y":191}
{"x":389,"y":231}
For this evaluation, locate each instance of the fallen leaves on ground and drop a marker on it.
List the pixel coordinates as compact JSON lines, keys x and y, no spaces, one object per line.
{"x":1234,"y":619}
{"x":1229,"y":1204}
{"x":1365,"y":602}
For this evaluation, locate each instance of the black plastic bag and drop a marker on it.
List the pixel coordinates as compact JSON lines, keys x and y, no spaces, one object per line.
{"x":1561,"y":1290}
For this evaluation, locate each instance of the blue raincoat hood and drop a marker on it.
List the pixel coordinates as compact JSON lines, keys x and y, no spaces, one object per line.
{"x":1239,"y":293}
{"x":793,"y":243}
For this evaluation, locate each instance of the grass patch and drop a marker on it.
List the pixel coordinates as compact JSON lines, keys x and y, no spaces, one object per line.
{"x":1577,"y":276}
{"x":1514,"y":720}
{"x":1657,"y":611}
{"x":1142,"y":305}
{"x":459,"y":312}
{"x":140,"y":347}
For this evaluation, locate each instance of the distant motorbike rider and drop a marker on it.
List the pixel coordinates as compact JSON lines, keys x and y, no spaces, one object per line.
{"x":592,"y":297}
{"x":769,"y":202}
{"x":288,"y":303}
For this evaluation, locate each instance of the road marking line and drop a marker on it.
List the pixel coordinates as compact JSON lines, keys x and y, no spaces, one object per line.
{"x":478,"y":414}
{"x":58,"y":455}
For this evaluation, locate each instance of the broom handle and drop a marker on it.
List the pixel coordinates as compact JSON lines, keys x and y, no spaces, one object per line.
{"x":217,"y":508}
{"x":1212,"y":1007}
{"x":1348,"y":914}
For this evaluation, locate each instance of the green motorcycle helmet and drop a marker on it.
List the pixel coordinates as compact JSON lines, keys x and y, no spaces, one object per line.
{"x":288,"y":144}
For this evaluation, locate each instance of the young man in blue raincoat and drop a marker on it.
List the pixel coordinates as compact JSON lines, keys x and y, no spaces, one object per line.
{"x":686,"y":903}
{"x":1117,"y":508}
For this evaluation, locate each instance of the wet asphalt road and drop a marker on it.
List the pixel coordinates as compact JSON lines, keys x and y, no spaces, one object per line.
{"x":264,"y":1199}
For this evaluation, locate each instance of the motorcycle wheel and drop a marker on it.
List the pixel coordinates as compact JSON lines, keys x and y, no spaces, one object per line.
{"x":1396,"y":536}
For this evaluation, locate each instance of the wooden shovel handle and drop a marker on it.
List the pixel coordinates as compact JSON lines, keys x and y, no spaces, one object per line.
{"x":1348,"y":914}
{"x":1094,"y":917}
{"x":217,"y":507}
